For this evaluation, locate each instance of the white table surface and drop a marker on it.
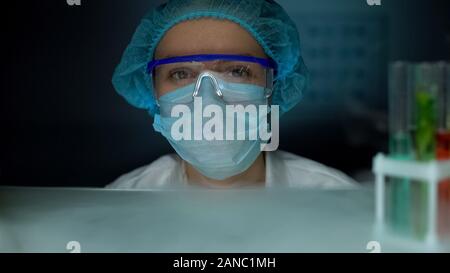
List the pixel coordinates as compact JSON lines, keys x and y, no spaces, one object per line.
{"x":46,"y":219}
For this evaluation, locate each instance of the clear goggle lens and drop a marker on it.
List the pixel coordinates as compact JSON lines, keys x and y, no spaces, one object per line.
{"x":172,"y":74}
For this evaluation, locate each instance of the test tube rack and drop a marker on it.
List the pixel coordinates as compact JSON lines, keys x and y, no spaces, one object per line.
{"x":432,"y":172}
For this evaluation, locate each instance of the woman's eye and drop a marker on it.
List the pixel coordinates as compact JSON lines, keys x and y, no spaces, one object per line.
{"x":240,"y":72}
{"x":179,"y":75}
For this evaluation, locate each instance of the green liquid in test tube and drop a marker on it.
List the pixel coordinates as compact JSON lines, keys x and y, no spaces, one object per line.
{"x":400,"y":147}
{"x":426,"y":125}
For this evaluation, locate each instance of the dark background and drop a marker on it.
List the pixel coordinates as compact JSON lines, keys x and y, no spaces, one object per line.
{"x":62,"y":124}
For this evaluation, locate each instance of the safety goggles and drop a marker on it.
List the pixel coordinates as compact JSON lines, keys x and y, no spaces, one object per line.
{"x":170,"y":74}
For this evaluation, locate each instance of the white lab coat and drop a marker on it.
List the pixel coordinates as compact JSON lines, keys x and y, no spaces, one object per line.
{"x":283,"y":170}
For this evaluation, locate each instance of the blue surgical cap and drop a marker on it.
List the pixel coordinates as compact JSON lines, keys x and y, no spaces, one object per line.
{"x":265,"y":20}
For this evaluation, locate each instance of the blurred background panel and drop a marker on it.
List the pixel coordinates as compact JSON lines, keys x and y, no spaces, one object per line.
{"x":64,"y":125}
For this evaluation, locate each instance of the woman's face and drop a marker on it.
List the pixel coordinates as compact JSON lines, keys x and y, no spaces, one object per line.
{"x":204,"y":36}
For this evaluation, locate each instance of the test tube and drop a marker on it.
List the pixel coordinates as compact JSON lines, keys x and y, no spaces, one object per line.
{"x":426,"y":87}
{"x":400,"y":144}
{"x":443,"y":149}
{"x":400,"y":147}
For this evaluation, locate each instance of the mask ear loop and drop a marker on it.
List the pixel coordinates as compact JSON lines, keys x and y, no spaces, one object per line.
{"x":214,"y":81}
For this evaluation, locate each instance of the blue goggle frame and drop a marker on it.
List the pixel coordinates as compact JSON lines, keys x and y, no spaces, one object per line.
{"x":267,"y":63}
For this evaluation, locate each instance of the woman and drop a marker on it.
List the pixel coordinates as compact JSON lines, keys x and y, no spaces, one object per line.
{"x":226,"y":53}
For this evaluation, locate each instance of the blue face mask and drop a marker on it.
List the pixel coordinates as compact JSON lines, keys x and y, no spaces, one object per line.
{"x":216,"y":159}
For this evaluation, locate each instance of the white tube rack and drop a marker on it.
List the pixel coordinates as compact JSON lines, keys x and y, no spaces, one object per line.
{"x":431,"y":172}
